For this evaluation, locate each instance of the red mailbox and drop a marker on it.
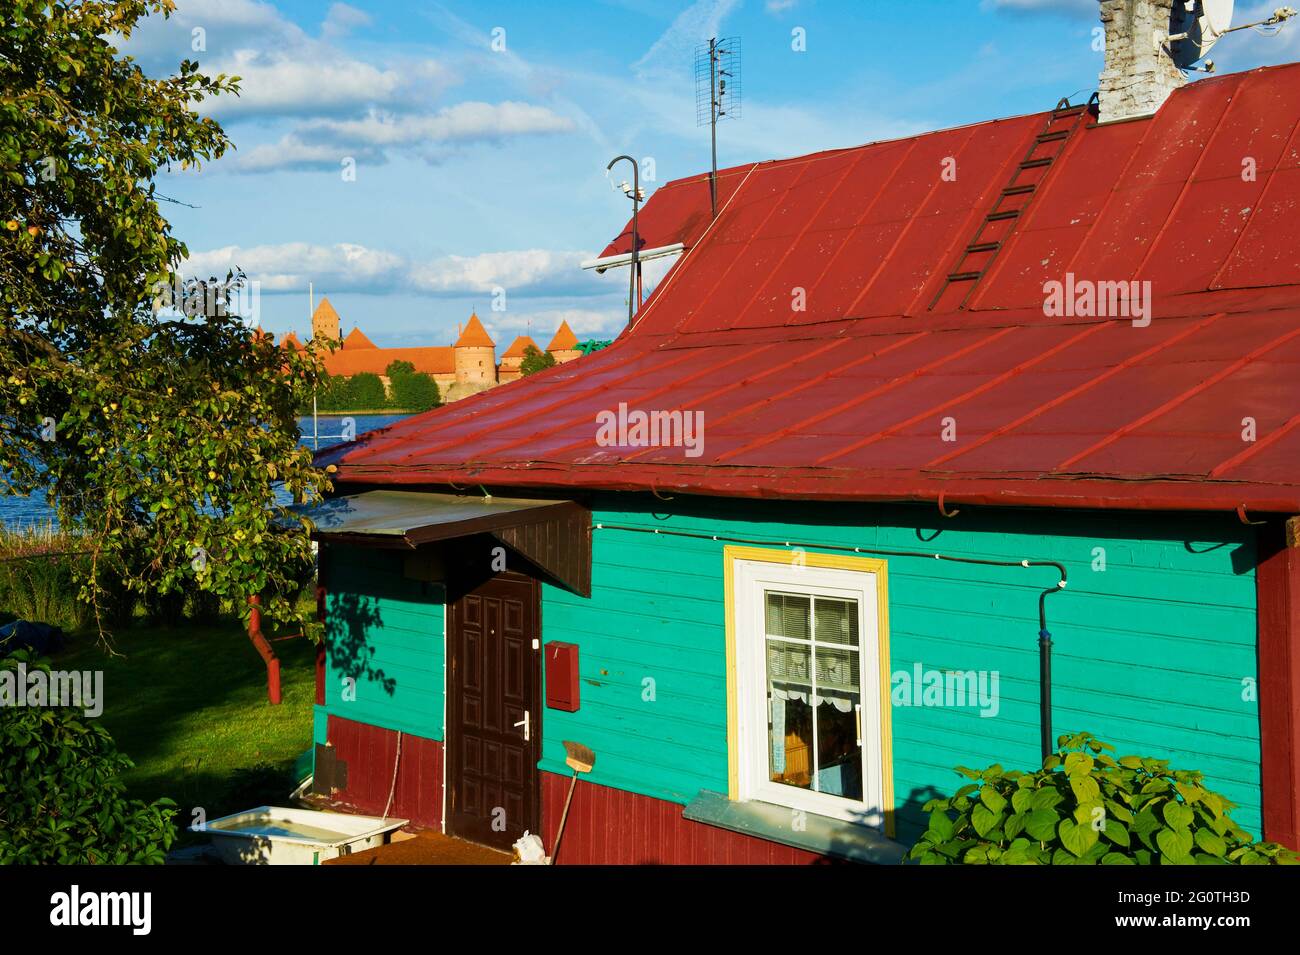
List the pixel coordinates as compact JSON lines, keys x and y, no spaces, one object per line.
{"x":561,"y":676}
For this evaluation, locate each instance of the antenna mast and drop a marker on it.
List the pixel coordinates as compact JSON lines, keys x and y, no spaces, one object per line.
{"x":717,"y":95}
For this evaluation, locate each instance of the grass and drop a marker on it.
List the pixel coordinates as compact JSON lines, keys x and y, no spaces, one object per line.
{"x":36,"y":576}
{"x":188,"y":705}
{"x":184,"y":690}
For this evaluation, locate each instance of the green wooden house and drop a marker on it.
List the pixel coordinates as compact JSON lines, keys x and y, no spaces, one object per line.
{"x":833,"y":515}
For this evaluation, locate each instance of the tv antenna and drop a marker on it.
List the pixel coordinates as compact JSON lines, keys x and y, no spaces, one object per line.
{"x":717,"y":95}
{"x":1196,"y":25}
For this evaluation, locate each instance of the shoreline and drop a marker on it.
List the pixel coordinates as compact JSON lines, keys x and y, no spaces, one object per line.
{"x":364,"y":411}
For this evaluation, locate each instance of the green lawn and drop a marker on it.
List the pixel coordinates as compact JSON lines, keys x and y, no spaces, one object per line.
{"x":188,"y":705}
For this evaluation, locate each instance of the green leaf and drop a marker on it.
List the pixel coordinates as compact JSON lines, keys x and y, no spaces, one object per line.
{"x":1015,"y":824}
{"x":1041,"y":824}
{"x":1176,"y":844}
{"x":1117,"y":832}
{"x":995,"y":801}
{"x":1085,"y":788}
{"x":1215,"y":845}
{"x":1078,"y":764}
{"x":1177,"y":815}
{"x":983,"y":819}
{"x":941,"y":824}
{"x":1046,"y":798}
{"x":1119,"y":811}
{"x":1021,"y":799}
{"x":1077,"y":838}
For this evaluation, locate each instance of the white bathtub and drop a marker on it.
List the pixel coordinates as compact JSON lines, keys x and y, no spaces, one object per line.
{"x":277,"y":835}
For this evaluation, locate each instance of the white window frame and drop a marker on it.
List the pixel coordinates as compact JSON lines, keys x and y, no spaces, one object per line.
{"x":751,"y":573}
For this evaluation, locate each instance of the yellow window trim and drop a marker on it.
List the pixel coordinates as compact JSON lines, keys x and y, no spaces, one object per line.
{"x":870,"y":565}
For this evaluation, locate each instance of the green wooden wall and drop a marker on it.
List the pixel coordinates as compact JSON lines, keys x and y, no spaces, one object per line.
{"x":386,"y":632}
{"x":1150,"y":654}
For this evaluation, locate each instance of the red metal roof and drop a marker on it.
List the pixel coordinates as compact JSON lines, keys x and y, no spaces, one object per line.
{"x":849,"y":398}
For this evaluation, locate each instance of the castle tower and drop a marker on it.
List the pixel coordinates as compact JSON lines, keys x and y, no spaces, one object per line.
{"x":476,"y":356}
{"x":512,"y":359}
{"x":564,"y":346}
{"x":325,"y":321}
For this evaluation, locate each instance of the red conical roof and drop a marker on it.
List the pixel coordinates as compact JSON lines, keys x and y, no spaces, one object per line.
{"x":519,"y":346}
{"x":357,"y":339}
{"x":475,"y":335}
{"x":564,"y":339}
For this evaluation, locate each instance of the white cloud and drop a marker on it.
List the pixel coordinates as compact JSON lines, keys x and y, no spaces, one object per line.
{"x":326,"y":143}
{"x":526,"y":269}
{"x":288,"y":267}
{"x":291,"y":152}
{"x":341,"y":103}
{"x":279,"y":83}
{"x":672,"y":54}
{"x":463,"y":122}
{"x":342,"y":20}
{"x":224,"y":26}
{"x":541,"y":325}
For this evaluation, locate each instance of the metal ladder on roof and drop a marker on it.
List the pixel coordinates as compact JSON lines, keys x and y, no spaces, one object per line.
{"x":978,"y":255}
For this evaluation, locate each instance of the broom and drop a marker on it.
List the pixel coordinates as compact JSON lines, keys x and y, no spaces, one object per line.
{"x":580,"y":759}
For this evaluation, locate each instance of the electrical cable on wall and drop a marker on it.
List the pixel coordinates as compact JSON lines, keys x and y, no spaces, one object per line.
{"x":392,"y":790}
{"x":1044,"y":635}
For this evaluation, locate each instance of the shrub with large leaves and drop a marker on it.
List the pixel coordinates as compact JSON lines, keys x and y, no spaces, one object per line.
{"x":62,"y":798}
{"x":1086,"y":807}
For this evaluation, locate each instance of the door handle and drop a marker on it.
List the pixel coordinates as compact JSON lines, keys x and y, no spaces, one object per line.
{"x":857,"y":718}
{"x":526,"y":723}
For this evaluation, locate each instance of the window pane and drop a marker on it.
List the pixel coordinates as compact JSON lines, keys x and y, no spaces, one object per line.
{"x":837,"y":669}
{"x":789,"y":663}
{"x":787,"y":616}
{"x":789,"y":709}
{"x":839,"y":758}
{"x":813,"y":693}
{"x":837,"y":620}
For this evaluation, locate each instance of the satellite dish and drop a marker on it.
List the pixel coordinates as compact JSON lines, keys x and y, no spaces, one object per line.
{"x":1195,"y":26}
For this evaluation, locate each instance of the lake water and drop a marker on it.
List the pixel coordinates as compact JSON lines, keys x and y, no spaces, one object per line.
{"x":23,"y":512}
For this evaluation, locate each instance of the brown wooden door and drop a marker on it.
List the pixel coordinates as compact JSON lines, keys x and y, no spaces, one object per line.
{"x":492,"y":780}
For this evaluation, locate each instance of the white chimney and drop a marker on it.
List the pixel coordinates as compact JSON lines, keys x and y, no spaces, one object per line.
{"x":1139,"y":74}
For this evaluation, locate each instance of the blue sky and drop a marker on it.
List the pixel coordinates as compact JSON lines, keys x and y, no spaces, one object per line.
{"x":478,"y":168}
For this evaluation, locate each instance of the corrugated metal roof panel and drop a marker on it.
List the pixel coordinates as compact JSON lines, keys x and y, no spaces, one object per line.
{"x":848,"y":397}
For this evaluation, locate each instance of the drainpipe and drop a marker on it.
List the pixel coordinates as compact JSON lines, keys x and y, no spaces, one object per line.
{"x":264,"y":649}
{"x":1045,"y":672}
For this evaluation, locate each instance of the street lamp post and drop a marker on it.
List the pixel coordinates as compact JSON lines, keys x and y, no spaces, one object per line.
{"x":634,"y":193}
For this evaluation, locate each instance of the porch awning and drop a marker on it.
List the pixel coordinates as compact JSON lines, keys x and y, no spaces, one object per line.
{"x":553,"y":534}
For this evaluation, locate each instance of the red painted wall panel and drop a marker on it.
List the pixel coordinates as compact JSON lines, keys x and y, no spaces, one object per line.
{"x":369,"y":752}
{"x":613,"y":827}
{"x":1277,"y":582}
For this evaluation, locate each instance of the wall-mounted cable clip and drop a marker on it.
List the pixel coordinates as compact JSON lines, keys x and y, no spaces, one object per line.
{"x":942,"y":510}
{"x":1241,"y":516}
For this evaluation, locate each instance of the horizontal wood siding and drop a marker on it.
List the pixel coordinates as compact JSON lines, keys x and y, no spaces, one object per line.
{"x":386,"y":632}
{"x":372,"y":754}
{"x":616,"y":827}
{"x":1154,"y":654}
